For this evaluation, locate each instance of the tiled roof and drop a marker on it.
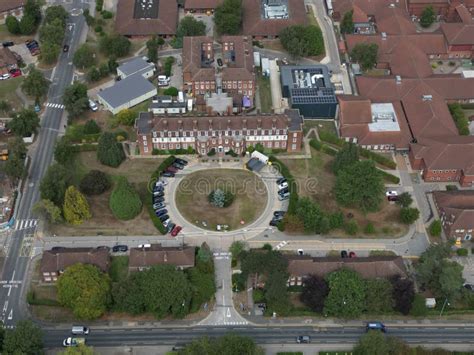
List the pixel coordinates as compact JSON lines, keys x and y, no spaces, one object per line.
{"x":165,"y":24}
{"x":7,"y":58}
{"x":458,"y":33}
{"x":59,"y":260}
{"x":368,"y":268}
{"x":255,"y":25}
{"x":192,"y":70}
{"x":8,"y":5}
{"x":201,"y":4}
{"x":159,"y":255}
{"x":458,"y":208}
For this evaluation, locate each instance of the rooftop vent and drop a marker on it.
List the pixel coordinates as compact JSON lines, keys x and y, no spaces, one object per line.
{"x":384,"y":35}
{"x":398,"y":79}
{"x":427,"y":97}
{"x":391,"y":5}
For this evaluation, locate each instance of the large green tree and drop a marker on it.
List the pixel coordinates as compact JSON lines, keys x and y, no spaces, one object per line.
{"x":161,"y":290}
{"x":203,"y":287}
{"x":404,"y":199}
{"x":115,"y":45}
{"x":347,"y":292}
{"x":228,"y":17}
{"x":51,"y":212}
{"x":54,"y":13}
{"x":152,"y":49}
{"x":314,"y":220}
{"x":276,"y":293}
{"x":302,"y":41}
{"x":26,"y":338}
{"x":409,"y":215}
{"x":345,"y":157}
{"x":84,"y":57}
{"x":54,"y":183}
{"x":124,"y":201}
{"x":49,"y":52}
{"x":35,"y":84}
{"x":360,"y":185}
{"x":27,"y":25}
{"x":315,"y":291}
{"x":109,"y":151}
{"x":427,"y":17}
{"x":85,"y":290}
{"x":403,"y":293}
{"x":376,"y":343}
{"x":75,"y":208}
{"x":15,"y":165}
{"x":13,"y":25}
{"x":52,"y":32}
{"x":64,"y":151}
{"x":188,"y":27}
{"x":75,"y":99}
{"x":365,"y":54}
{"x":347,"y":23}
{"x":95,"y":182}
{"x":24,"y":123}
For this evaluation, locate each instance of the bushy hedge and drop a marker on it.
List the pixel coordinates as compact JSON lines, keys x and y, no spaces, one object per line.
{"x":459,"y":118}
{"x":190,"y":150}
{"x":156,"y":221}
{"x":380,"y":159}
{"x":162,"y":167}
{"x":125,"y":202}
{"x":292,"y":187}
{"x":389,"y":177}
{"x":314,"y":143}
{"x":331,"y":138}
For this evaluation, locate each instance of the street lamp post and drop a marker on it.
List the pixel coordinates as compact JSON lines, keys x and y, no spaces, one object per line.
{"x":444,"y":305}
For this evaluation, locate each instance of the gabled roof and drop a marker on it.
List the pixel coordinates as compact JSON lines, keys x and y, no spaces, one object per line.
{"x":135,"y":65}
{"x":458,"y":33}
{"x":126,"y":90}
{"x":59,"y":260}
{"x":165,"y":24}
{"x":458,"y":207}
{"x":255,"y":25}
{"x":201,"y":4}
{"x":394,"y":21}
{"x":8,"y":5}
{"x":159,"y":255}
{"x":192,"y":69}
{"x":368,"y":268}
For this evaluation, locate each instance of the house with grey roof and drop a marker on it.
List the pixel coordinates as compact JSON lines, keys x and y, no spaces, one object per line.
{"x":133,"y":89}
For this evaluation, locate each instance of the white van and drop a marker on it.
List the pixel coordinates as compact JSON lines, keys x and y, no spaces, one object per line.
{"x":93,"y":106}
{"x":79,"y":330}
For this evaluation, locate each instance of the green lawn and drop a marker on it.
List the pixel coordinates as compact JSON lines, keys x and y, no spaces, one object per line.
{"x":7,"y":92}
{"x":118,"y":268}
{"x":320,"y":125}
{"x":265,"y":93}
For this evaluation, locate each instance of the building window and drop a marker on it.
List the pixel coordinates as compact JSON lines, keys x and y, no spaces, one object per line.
{"x":295,"y":134}
{"x":277,"y":144}
{"x":145,"y":143}
{"x":145,"y":149}
{"x":293,"y":146}
{"x":294,"y":140}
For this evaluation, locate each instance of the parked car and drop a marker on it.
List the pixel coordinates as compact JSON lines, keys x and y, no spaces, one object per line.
{"x":164,"y":217}
{"x":392,"y":198}
{"x":158,"y":199}
{"x":375,"y":326}
{"x":93,"y":106}
{"x":281,"y":180}
{"x":161,"y":212}
{"x":73,"y":341}
{"x":283,"y":191}
{"x":66,"y":48}
{"x":170,"y":227}
{"x":303,"y":339}
{"x":8,"y":43}
{"x":167,"y":174}
{"x":161,"y":183}
{"x":5,"y":76}
{"x":279,"y":213}
{"x":158,"y":205}
{"x":178,"y":166}
{"x":176,"y":231}
{"x":391,"y":193}
{"x":158,"y":193}
{"x":144,"y":246}
{"x":158,"y":188}
{"x":172,"y":169}
{"x":344,"y":254}
{"x":352,"y":254}
{"x":219,"y":62}
{"x":283,"y":185}
{"x":15,"y":72}
{"x":181,"y":161}
{"x":274,"y":222}
{"x":119,"y":248}
{"x":166,"y":222}
{"x":284,"y":196}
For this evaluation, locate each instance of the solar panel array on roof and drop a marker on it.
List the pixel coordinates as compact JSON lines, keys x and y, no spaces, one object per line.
{"x":146,"y":9}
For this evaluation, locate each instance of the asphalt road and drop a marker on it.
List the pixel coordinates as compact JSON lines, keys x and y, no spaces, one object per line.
{"x":263,"y":335}
{"x":16,"y":264}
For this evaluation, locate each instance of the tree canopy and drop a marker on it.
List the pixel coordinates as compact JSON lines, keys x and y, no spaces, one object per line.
{"x":365,"y":54}
{"x":35,"y":84}
{"x":109,"y":151}
{"x":427,"y":17}
{"x":84,"y":57}
{"x":360,"y":185}
{"x":404,"y":199}
{"x":302,"y":41}
{"x":95,"y":182}
{"x":28,"y":23}
{"x":228,"y":17}
{"x":152,"y":46}
{"x":188,"y":27}
{"x":15,"y":165}
{"x":347,"y":23}
{"x":124,"y":201}
{"x":379,"y":296}
{"x":85,"y":290}
{"x":314,"y":220}
{"x":64,"y":151}
{"x":376,"y":343}
{"x":75,"y":99}
{"x":114,"y":45}
{"x":76,"y":208}
{"x":315,"y":291}
{"x":409,"y":215}
{"x":49,"y":210}
{"x":81,"y":349}
{"x":403,"y":293}
{"x":229,"y":344}
{"x":54,"y":183}
{"x":346,"y":156}
{"x":25,"y":338}
{"x":347,"y":294}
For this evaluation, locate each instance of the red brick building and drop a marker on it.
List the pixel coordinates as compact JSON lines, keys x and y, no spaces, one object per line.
{"x":456,"y":211}
{"x":201,"y":6}
{"x":11,"y":7}
{"x":222,"y":133}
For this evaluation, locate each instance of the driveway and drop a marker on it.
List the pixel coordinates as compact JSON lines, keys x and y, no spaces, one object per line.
{"x":22,"y":50}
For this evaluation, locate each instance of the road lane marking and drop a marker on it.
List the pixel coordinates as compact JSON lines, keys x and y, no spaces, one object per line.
{"x":5,"y":307}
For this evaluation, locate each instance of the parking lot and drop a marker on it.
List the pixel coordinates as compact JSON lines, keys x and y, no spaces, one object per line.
{"x":24,"y":53}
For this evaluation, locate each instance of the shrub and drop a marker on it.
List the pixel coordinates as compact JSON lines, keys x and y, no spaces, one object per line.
{"x":418,"y":307}
{"x":168,"y":66}
{"x":109,"y":151}
{"x":389,"y":177}
{"x":328,"y":150}
{"x":380,"y":159}
{"x":126,"y":117}
{"x":91,"y":127}
{"x":351,"y":227}
{"x":314,"y":143}
{"x":435,"y":228}
{"x":162,"y":167}
{"x":462,"y":252}
{"x":95,"y":182}
{"x":98,"y":29}
{"x":124,"y":200}
{"x":331,"y":138}
{"x":336,"y":220}
{"x":106,"y":15}
{"x":211,"y":152}
{"x":76,"y":208}
{"x":171,"y":91}
{"x":459,"y":119}
{"x":451,"y":188}
{"x":258,"y":296}
{"x":369,"y":228}
{"x":190,"y":150}
{"x":220,"y":198}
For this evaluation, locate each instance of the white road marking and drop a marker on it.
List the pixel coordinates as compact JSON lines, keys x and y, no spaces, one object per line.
{"x":228,"y":312}
{"x":10,"y":315}
{"x":5,"y":306}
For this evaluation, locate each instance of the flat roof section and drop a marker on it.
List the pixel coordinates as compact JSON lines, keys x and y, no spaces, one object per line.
{"x":384,"y":118}
{"x":146,"y":9}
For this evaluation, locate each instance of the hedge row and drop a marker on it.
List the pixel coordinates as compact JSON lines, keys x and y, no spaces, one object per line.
{"x":156,"y":221}
{"x":86,"y":147}
{"x":162,"y":167}
{"x":389,"y":177}
{"x":314,"y":143}
{"x":190,"y":150}
{"x":389,"y":163}
{"x":329,"y":137}
{"x":459,"y":118}
{"x":292,"y":187}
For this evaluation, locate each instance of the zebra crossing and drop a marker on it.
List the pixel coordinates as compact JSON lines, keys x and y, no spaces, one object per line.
{"x":53,"y":105}
{"x":222,"y":255}
{"x":231,"y":323}
{"x":25,"y":224}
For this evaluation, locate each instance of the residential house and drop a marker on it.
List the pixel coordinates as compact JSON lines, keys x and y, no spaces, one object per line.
{"x":198,"y":68}
{"x":165,"y":105}
{"x":11,"y":7}
{"x":300,"y":267}
{"x":221,"y":133}
{"x":55,"y":261}
{"x":144,"y":258}
{"x":456,"y":211}
{"x":139,"y":18}
{"x":8,"y":60}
